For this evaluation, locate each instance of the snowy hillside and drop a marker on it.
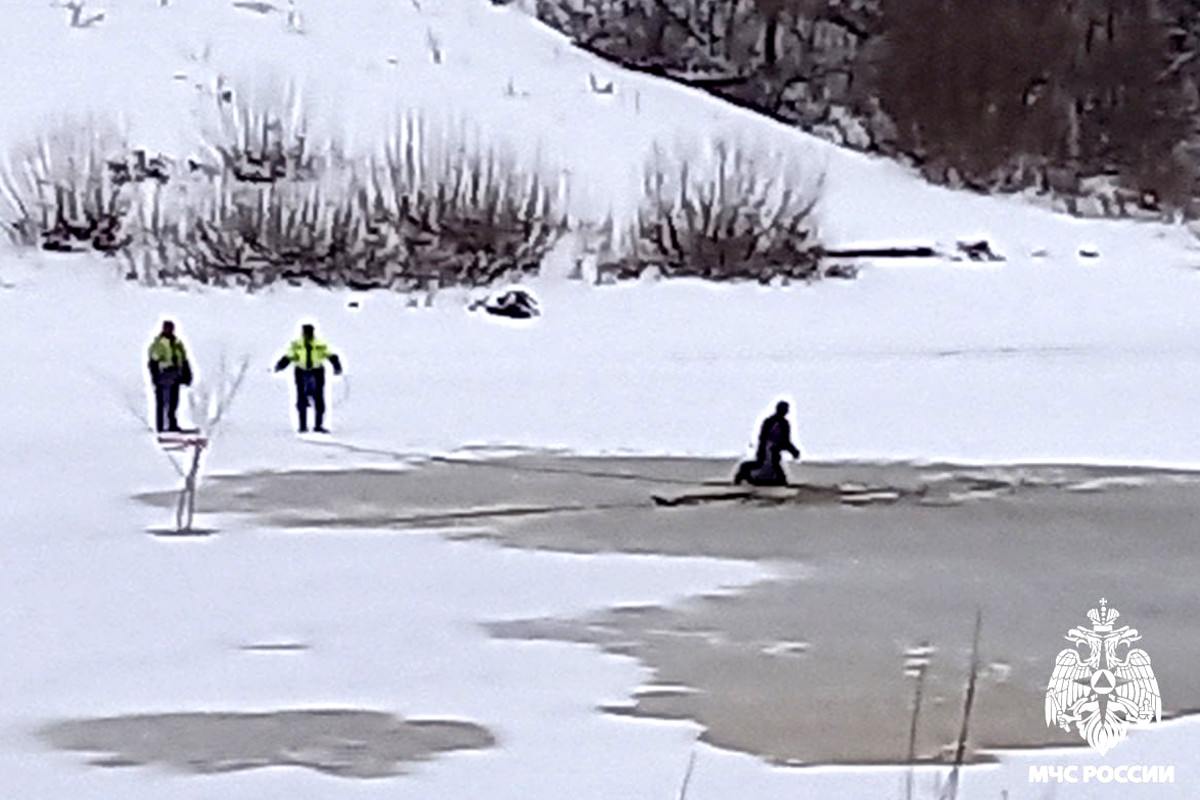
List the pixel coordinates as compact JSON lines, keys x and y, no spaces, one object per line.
{"x":1045,"y":356}
{"x":352,"y":68}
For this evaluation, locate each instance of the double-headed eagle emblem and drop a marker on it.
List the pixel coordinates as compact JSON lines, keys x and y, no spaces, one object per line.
{"x":1102,"y":691}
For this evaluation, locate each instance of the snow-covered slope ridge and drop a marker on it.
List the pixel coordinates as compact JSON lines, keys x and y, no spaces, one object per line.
{"x":351,"y":67}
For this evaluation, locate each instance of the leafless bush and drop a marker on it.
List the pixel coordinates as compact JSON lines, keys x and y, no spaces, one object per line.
{"x":209,"y":405}
{"x":434,"y":207}
{"x":430,"y":210}
{"x":209,"y":402}
{"x":466,"y":213}
{"x":263,"y":145}
{"x":65,"y":191}
{"x":742,"y":213}
{"x":250,"y":234}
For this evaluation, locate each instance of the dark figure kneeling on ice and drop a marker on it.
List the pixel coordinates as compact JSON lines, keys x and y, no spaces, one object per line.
{"x":774,"y":439}
{"x":309,"y":354}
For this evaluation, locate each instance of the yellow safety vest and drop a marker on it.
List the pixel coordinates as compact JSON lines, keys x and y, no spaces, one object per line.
{"x":308,"y":355}
{"x":167,"y":352}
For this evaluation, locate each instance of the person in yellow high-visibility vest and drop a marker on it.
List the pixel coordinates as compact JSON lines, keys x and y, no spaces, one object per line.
{"x":169,"y":369}
{"x":309,"y":354}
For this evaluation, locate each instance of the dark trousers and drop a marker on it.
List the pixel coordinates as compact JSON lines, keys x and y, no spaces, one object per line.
{"x":310,"y":388}
{"x":166,"y":403}
{"x":766,"y":470}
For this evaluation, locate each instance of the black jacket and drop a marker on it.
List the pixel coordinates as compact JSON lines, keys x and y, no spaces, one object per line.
{"x":775,"y":437}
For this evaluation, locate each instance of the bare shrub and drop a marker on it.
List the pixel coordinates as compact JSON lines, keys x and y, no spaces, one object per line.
{"x":255,"y":235}
{"x":209,"y":402}
{"x":263,"y":145}
{"x":64,"y":192}
{"x":742,"y":213}
{"x":433,"y":207}
{"x":467,"y":213}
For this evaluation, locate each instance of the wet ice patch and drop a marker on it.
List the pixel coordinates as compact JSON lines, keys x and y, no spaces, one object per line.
{"x":343,"y":742}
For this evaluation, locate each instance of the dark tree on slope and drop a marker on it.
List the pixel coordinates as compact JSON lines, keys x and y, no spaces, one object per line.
{"x":1135,"y":111}
{"x":996,"y":91}
{"x":771,"y":11}
{"x":738,"y":37}
{"x":790,"y":28}
{"x":962,"y":95}
{"x":1069,"y":96}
